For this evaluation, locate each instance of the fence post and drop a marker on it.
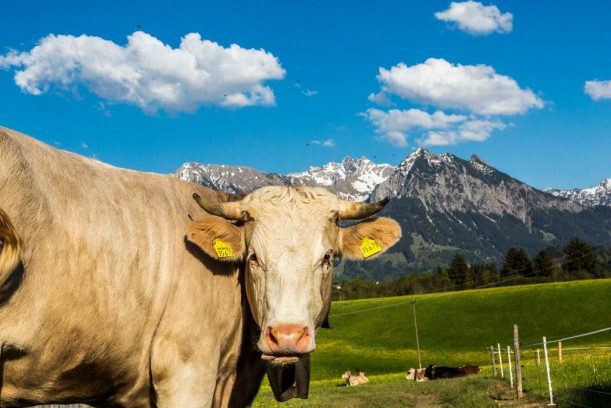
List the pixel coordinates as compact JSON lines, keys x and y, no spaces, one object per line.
{"x":549,"y":378}
{"x":516,"y":354}
{"x":538,"y":358}
{"x":509,"y":364}
{"x":498,"y":347}
{"x":560,"y":352}
{"x":493,"y":361}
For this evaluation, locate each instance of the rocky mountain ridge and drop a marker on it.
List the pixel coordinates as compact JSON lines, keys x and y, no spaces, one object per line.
{"x":589,"y":197}
{"x":445,"y":205}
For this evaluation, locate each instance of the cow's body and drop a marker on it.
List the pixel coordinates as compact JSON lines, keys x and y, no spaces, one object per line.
{"x":354,"y":380}
{"x":117,"y":289}
{"x":111,"y":305}
{"x":434,"y":372}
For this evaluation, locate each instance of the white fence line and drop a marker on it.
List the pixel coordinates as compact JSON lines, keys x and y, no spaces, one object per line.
{"x":560,"y":350}
{"x":571,"y":337}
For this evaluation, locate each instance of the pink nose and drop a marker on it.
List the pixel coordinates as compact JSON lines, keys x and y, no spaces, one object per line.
{"x":288,"y":339}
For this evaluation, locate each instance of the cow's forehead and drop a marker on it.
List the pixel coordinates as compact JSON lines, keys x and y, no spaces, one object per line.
{"x":294,"y":219}
{"x":312,"y":203}
{"x":291,"y":196}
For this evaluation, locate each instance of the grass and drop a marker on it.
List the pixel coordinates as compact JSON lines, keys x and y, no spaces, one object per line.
{"x":395,"y":391}
{"x":582,"y":378}
{"x":377,"y":336}
{"x":455,"y":327}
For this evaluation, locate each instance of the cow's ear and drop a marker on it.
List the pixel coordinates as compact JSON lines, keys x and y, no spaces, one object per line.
{"x":217,"y":237}
{"x":368,"y":238}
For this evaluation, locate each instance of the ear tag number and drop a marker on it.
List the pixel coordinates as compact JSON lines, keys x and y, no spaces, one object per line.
{"x":223,"y":250}
{"x":369,"y":247}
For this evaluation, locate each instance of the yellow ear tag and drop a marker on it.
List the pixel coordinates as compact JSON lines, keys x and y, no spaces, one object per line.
{"x":223,"y":250}
{"x":369,"y":247}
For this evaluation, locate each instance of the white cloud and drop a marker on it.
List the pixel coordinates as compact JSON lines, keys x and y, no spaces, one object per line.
{"x":148,"y":73}
{"x":477,"y":19}
{"x":473,"y":130}
{"x":325,"y":143}
{"x":598,"y":89}
{"x":477,"y":88}
{"x":309,"y":92}
{"x":436,"y":128}
{"x":380,"y":98}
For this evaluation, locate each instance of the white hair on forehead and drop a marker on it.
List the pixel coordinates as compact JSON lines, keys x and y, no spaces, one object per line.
{"x":290,"y":218}
{"x":278,"y":195}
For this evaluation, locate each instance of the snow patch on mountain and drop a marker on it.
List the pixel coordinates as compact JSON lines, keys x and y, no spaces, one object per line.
{"x":588,"y":197}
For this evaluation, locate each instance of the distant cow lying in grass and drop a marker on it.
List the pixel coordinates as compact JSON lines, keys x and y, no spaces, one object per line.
{"x":416,"y":374}
{"x":432,"y":372}
{"x":352,"y":380}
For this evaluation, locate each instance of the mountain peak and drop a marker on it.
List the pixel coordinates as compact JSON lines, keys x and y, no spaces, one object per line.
{"x":476,"y":159}
{"x":591,"y":196}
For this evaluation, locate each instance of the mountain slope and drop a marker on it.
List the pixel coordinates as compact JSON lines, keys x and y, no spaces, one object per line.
{"x":444,"y":204}
{"x":351,"y":179}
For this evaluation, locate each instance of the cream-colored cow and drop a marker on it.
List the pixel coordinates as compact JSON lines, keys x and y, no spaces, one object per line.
{"x":289,"y":238}
{"x":116,"y":288}
{"x":354,"y":380}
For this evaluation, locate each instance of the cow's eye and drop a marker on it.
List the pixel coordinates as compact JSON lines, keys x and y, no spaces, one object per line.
{"x":252,"y":258}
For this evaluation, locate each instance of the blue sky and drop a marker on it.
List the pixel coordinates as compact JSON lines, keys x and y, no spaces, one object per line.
{"x":375,"y":79}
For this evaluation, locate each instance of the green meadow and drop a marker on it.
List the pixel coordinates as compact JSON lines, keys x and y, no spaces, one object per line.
{"x":377,"y":336}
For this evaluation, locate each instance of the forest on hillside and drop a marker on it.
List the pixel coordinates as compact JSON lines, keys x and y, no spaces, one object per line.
{"x":575,"y":261}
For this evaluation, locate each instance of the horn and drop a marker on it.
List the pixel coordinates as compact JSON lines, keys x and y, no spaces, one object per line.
{"x":349,"y":210}
{"x":231,"y":210}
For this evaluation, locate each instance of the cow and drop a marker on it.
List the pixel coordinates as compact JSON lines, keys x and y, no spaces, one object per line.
{"x":416,"y":374}
{"x":433,"y":372}
{"x":354,"y":380}
{"x":129,"y":289}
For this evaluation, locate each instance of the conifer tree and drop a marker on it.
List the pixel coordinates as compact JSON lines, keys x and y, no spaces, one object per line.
{"x":543,"y":264}
{"x":581,"y":259}
{"x":516,"y":264}
{"x":458,"y":271}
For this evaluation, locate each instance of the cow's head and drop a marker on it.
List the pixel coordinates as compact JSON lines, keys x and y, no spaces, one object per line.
{"x":288,"y":238}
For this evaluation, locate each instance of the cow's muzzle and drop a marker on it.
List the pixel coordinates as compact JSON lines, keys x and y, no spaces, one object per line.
{"x":288,"y":339}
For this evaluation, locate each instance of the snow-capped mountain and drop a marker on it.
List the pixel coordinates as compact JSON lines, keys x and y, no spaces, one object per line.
{"x":233,"y":179}
{"x":444,"y":204}
{"x":351,"y":179}
{"x":589,"y":197}
{"x":446,"y":183}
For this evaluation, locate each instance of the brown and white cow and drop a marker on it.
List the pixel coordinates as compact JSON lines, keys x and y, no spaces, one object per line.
{"x":103,"y":300}
{"x":416,"y":374}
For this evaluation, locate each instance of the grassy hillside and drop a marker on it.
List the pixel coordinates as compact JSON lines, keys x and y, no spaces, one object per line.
{"x":377,"y":335}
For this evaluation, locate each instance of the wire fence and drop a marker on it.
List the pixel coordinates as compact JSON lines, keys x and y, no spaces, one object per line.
{"x":564,"y":376}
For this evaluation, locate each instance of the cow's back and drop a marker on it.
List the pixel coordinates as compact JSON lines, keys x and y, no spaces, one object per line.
{"x":101,"y":247}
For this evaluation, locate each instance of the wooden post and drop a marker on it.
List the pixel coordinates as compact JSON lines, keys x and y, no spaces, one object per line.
{"x":516,"y":351}
{"x":509,"y":365}
{"x":560,"y":352}
{"x":538,"y":358}
{"x":493,"y":361}
{"x":498,"y":347}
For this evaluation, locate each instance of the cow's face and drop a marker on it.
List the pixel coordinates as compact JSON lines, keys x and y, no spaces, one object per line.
{"x":288,"y":239}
